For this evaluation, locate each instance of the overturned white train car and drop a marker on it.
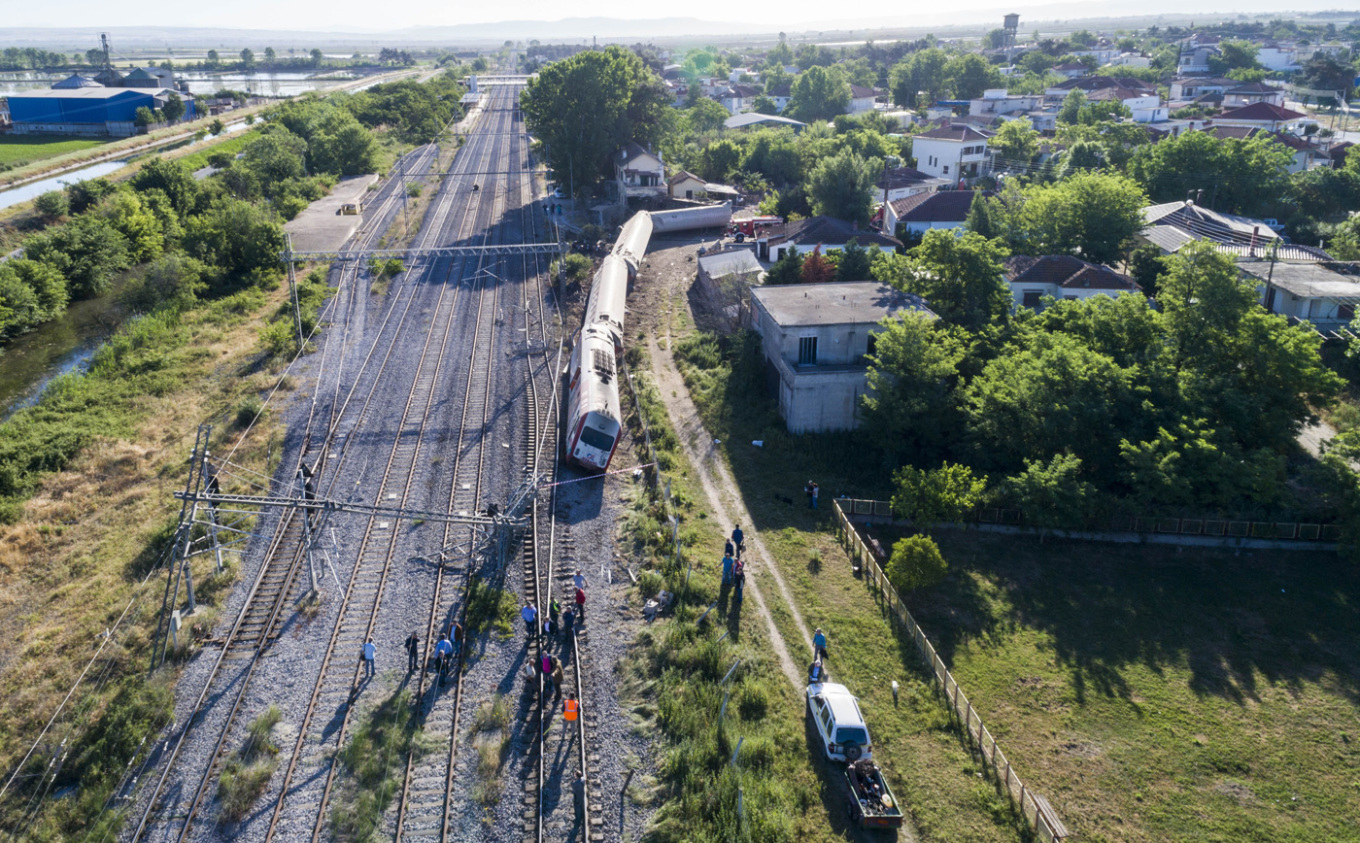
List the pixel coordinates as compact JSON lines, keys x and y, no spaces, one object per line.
{"x":594,"y":422}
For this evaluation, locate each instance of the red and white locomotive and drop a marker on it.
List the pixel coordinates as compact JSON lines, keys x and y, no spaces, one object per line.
{"x":594,"y":422}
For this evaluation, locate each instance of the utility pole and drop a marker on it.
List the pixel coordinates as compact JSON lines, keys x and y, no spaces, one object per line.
{"x":292,"y":289}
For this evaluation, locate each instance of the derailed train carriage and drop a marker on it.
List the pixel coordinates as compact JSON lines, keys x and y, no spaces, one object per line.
{"x":594,"y":421}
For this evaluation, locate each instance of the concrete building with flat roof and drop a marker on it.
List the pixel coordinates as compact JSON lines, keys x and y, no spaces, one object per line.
{"x":815,"y":339}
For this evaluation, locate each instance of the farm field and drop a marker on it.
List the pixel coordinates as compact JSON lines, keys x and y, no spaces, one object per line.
{"x":1151,"y":694}
{"x":29,"y":149}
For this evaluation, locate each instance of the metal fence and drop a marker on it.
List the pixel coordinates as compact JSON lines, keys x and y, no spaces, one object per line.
{"x":1210,"y":527}
{"x":1036,"y":810}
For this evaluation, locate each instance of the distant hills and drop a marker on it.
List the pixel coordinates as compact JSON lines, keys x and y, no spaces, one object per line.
{"x":944,"y":21}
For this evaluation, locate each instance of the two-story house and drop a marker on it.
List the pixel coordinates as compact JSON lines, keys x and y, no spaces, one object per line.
{"x":815,"y":338}
{"x":1143,"y":107}
{"x":639,"y":174}
{"x":952,"y":152}
{"x":738,"y":98}
{"x":1246,"y":93}
{"x":996,"y":102}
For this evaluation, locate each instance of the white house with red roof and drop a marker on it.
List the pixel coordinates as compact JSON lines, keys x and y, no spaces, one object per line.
{"x":1264,"y":115}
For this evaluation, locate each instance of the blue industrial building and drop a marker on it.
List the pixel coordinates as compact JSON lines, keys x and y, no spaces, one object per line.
{"x":86,"y":110}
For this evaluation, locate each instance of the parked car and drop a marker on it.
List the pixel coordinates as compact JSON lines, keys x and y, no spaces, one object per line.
{"x":559,"y":193}
{"x":836,"y":715}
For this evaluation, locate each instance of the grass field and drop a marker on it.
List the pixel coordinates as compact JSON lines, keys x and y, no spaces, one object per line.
{"x":1162,"y":695}
{"x":1151,"y":694}
{"x":17,"y":150}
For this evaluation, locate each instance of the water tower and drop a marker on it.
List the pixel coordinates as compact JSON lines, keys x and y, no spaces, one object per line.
{"x":1011,"y":26}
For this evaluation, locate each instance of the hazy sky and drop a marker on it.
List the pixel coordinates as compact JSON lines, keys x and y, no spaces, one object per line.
{"x":378,"y":16}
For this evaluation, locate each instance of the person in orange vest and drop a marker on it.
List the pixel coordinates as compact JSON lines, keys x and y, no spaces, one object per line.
{"x":571,"y":709}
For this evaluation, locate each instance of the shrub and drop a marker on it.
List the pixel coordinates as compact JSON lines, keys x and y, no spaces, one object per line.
{"x":916,"y":563}
{"x":53,"y":204}
{"x":248,"y":411}
{"x":413,"y":189}
{"x":650,"y":582}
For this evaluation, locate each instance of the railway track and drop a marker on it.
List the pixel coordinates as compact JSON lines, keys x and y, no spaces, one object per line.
{"x":422,"y":811}
{"x":277,"y":584}
{"x":340,"y":679}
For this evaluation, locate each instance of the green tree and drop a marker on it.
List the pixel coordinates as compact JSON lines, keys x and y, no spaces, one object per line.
{"x":269,"y":56}
{"x":706,"y":115}
{"x":1051,"y":394}
{"x":171,"y":281}
{"x":585,"y":107}
{"x":1016,"y":142}
{"x":944,"y":495}
{"x":720,"y":160}
{"x":842,"y":186}
{"x":174,"y":107}
{"x":317,"y":57}
{"x":216,"y":127}
{"x":87,"y":251}
{"x":53,"y":205}
{"x":275,"y":157}
{"x":979,"y":220}
{"x":84,"y":195}
{"x":131,"y":218}
{"x":969,"y":75}
{"x":171,"y":178}
{"x":1090,"y":214}
{"x":248,"y":58}
{"x":143,"y":117}
{"x":1051,"y":493}
{"x":920,"y":73}
{"x":819,"y":93}
{"x":787,"y":270}
{"x":242,"y":239}
{"x":908,"y":409}
{"x":1233,"y":55}
{"x":213,"y":59}
{"x":854,"y":263}
{"x":764,"y":105}
{"x":1236,"y":176}
{"x":916,"y":562}
{"x":995,"y":39}
{"x":959,"y":277}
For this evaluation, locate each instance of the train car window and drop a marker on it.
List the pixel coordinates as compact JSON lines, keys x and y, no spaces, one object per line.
{"x":597,"y":440}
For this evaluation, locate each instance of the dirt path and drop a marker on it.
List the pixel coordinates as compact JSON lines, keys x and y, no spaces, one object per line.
{"x":723,"y":498}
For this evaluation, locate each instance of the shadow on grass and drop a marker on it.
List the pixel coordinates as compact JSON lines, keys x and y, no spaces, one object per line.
{"x":1235,"y":621}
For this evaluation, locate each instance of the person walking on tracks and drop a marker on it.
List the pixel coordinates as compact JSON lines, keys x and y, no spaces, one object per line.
{"x":530,"y":616}
{"x":370,"y":654}
{"x":581,"y":603}
{"x":568,"y":623}
{"x":578,"y":579}
{"x":819,"y":644}
{"x":443,"y":654}
{"x":578,"y":794}
{"x":571,"y":710}
{"x":412,"y":652}
{"x":557,"y":679}
{"x":457,"y":638}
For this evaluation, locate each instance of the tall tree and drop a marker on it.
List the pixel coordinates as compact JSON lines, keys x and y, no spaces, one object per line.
{"x":842,"y":186}
{"x":909,"y":408}
{"x":248,"y":58}
{"x":1091,"y":214}
{"x":585,"y":107}
{"x":820,"y":93}
{"x":920,"y":73}
{"x":959,"y":277}
{"x":1015,"y":142}
{"x":969,"y":75}
{"x":854,"y":263}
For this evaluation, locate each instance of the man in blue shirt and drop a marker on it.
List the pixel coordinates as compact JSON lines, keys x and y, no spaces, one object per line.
{"x":727,"y":570}
{"x":530,"y":616}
